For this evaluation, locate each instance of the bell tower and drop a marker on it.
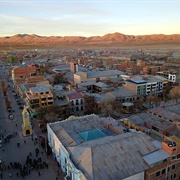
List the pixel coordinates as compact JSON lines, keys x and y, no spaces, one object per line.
{"x":26,"y":126}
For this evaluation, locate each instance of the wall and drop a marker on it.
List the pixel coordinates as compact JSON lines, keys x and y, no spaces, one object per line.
{"x":139,"y":176}
{"x":63,"y":156}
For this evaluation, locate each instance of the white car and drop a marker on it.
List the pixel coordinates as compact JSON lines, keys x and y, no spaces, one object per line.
{"x":11,"y":116}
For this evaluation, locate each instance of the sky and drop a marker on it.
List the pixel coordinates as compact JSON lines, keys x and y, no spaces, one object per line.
{"x":89,"y":17}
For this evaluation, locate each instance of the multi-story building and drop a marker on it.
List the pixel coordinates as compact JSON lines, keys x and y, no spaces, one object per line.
{"x":76,"y":101}
{"x":149,"y":85}
{"x":167,"y":165}
{"x":171,"y":76}
{"x":21,"y":72}
{"x":80,"y":77}
{"x":39,"y":96}
{"x":137,"y":86}
{"x":153,"y":69}
{"x":73,"y":67}
{"x":90,"y":147}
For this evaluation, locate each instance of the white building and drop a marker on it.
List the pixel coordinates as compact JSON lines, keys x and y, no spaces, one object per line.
{"x":95,"y":148}
{"x":171,"y":77}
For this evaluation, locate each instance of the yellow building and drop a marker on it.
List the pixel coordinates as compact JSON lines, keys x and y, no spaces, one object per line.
{"x":26,"y":126}
{"x":39,"y":96}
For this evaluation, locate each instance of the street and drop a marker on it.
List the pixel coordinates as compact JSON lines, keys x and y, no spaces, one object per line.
{"x":14,"y":159}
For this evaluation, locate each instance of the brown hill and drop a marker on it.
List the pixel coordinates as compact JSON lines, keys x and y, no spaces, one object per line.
{"x":108,"y":38}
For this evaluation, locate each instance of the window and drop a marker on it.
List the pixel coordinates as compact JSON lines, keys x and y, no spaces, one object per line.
{"x":77,"y":108}
{"x":163,"y":171}
{"x":81,"y":101}
{"x":157,"y":173}
{"x":173,"y":166}
{"x":173,"y":157}
{"x":168,"y":169}
{"x":178,"y":156}
{"x":77,"y":102}
{"x":165,"y":160}
{"x":174,"y":176}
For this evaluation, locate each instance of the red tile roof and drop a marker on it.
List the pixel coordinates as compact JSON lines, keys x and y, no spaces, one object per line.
{"x":76,"y":95}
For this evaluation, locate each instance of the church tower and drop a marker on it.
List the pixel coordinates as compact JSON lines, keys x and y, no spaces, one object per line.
{"x":26,"y":126}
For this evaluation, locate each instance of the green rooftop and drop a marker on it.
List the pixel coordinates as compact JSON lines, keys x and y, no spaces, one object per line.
{"x":92,"y":134}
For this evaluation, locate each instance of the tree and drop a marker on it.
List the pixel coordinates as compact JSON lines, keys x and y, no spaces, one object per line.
{"x":106,"y":107}
{"x":59,"y":78}
{"x":51,"y":117}
{"x":90,"y":104}
{"x":41,"y":113}
{"x":175,"y":92}
{"x":166,"y":91}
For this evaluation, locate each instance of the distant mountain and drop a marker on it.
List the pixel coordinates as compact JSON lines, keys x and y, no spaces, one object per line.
{"x":108,"y":38}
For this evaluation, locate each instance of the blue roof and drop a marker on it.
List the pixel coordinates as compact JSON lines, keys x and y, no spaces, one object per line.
{"x":136,"y":81}
{"x":92,"y":134}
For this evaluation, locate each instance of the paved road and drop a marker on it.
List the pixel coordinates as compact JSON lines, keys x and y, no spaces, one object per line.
{"x":12,"y":153}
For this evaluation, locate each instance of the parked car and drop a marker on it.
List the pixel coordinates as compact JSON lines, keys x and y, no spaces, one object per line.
{"x":11,"y":116}
{"x":19,"y":103}
{"x":9,"y":136}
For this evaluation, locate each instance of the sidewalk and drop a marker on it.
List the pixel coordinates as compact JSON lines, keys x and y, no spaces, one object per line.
{"x":52,"y":162}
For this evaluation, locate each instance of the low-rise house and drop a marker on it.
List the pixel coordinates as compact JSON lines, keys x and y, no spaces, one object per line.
{"x":143,"y":121}
{"x":122,"y":95}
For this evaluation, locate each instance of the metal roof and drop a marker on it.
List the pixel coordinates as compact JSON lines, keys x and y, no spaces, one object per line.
{"x":91,"y":74}
{"x":156,"y":156}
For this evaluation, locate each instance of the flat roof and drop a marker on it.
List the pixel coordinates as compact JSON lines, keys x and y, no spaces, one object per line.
{"x":156,"y":156}
{"x":122,"y":92}
{"x":40,"y":89}
{"x":137,"y":81}
{"x":92,"y":74}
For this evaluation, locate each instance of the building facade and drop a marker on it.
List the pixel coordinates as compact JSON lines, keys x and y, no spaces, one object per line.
{"x":39,"y":96}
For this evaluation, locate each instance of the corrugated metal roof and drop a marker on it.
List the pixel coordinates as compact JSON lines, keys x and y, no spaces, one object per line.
{"x":165,"y":114}
{"x":156,"y":156}
{"x":114,"y":157}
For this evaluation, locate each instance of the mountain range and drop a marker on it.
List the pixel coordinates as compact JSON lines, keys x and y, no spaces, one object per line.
{"x":108,"y":38}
